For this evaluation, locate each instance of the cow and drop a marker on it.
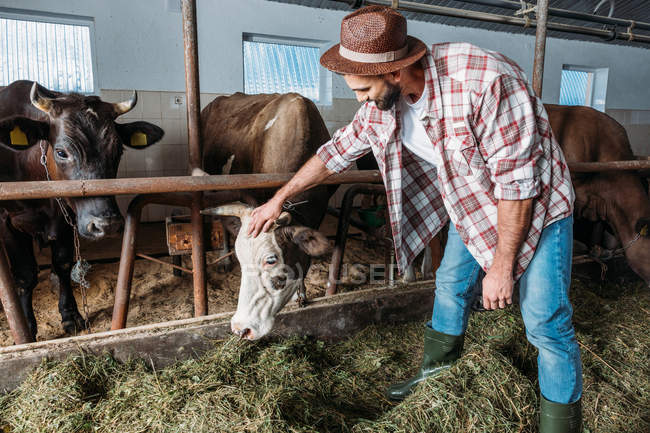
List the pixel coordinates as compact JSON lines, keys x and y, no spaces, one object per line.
{"x":619,"y":198}
{"x":268,"y":133}
{"x":77,"y":138}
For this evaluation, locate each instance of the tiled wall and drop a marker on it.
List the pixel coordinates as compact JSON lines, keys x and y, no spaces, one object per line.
{"x":637,"y":125}
{"x":169,"y":157}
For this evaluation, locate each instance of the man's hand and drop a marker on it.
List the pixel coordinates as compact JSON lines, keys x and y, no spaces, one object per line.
{"x":513,"y":220}
{"x":263,"y":217}
{"x":498,"y":286}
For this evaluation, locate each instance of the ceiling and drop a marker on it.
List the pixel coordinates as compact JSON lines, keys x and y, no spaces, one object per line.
{"x":637,"y":10}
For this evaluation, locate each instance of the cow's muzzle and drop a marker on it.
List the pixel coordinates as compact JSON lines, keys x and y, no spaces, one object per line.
{"x":98,"y":228}
{"x":242,"y":331}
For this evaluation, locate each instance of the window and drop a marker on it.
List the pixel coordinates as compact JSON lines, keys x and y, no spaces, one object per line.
{"x":278,"y":65}
{"x":583,"y":85}
{"x":56,"y":52}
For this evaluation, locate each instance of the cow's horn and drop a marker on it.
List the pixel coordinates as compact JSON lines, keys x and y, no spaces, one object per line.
{"x":237,"y":209}
{"x":39,"y":101}
{"x":125,"y":106}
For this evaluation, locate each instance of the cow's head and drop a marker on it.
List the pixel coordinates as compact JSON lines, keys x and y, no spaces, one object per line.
{"x":85,"y":142}
{"x":273,"y":267}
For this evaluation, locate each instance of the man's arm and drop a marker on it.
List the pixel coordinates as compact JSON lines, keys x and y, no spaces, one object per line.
{"x":513,"y":222}
{"x":312,"y":173}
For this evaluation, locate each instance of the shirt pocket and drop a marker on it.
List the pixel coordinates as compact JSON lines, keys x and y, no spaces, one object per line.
{"x":467,"y":160}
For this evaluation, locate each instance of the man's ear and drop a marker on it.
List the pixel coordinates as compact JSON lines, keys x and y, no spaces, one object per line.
{"x":138,"y":135}
{"x":310,"y":241}
{"x":393,"y":77}
{"x":20,"y":133}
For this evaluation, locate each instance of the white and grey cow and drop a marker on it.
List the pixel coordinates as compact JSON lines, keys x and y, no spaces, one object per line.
{"x":273,"y":268}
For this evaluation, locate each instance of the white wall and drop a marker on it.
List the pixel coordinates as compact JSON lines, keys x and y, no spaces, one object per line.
{"x":139,"y":45}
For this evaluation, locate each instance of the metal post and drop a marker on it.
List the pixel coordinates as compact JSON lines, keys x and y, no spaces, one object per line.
{"x":540,"y":46}
{"x":10,"y":302}
{"x":127,"y":262}
{"x":342,"y":232}
{"x":188,"y":8}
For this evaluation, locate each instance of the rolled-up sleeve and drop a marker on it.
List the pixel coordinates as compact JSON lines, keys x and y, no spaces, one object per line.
{"x":347,"y":144}
{"x":506,"y":130}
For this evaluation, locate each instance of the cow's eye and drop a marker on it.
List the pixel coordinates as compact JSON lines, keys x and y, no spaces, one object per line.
{"x":271,"y":260}
{"x":61,"y":154}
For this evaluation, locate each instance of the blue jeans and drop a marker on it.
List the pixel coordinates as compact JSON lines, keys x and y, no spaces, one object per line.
{"x":544,"y":303}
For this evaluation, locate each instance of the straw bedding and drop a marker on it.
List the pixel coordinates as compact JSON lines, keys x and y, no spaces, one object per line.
{"x":305,"y":385}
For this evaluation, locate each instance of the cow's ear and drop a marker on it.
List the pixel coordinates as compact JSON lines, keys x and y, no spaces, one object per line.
{"x":231,"y":225}
{"x":138,"y":135}
{"x":20,"y":132}
{"x":311,"y":241}
{"x":642,"y":227}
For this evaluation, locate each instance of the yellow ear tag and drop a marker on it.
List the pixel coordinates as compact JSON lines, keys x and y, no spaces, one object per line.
{"x":18,"y":137}
{"x":644,"y":231}
{"x":138,"y":139}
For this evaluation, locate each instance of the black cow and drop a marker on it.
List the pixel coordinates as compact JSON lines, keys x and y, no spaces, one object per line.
{"x":76,"y":137}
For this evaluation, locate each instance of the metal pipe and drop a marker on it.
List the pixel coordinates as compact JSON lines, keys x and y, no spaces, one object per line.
{"x":223,"y":183}
{"x":192,"y":87}
{"x":198,"y":258}
{"x":540,"y":46}
{"x":342,"y":231}
{"x":162,"y":262}
{"x":594,"y":167}
{"x":565,"y":13}
{"x":127,"y":255}
{"x":11,"y":303}
{"x":127,"y":261}
{"x":411,"y":6}
{"x":153,"y":185}
{"x":192,"y":95}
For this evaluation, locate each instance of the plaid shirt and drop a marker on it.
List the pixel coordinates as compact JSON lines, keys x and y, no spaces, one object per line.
{"x":491,"y":140}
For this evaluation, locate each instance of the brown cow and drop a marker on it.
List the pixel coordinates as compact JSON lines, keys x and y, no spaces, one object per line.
{"x":617,"y":197}
{"x":268,"y":134}
{"x":81,"y":140}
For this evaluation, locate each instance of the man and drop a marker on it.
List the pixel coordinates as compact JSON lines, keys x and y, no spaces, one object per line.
{"x":458,"y":134}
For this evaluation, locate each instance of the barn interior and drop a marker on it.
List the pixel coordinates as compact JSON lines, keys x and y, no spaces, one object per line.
{"x":119,"y":46}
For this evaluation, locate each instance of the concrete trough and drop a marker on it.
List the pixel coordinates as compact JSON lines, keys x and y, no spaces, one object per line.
{"x":331,"y":317}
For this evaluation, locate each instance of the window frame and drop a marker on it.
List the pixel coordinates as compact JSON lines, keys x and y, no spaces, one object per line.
{"x":597,"y":93}
{"x":55,"y":18}
{"x":324,"y":75}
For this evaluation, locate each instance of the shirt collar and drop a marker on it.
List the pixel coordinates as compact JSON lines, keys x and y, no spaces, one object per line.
{"x":433,"y":86}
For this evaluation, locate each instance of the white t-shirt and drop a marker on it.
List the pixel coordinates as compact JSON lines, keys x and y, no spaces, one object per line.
{"x":412,"y":133}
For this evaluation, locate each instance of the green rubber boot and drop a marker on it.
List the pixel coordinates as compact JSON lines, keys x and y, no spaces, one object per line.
{"x":440,"y":350}
{"x":560,"y":418}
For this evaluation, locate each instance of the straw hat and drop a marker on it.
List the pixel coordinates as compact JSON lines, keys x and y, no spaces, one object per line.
{"x":373,"y":42}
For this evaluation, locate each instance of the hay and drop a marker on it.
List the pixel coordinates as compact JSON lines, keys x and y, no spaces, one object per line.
{"x":304,"y":385}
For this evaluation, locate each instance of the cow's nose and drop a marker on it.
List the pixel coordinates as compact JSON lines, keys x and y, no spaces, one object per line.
{"x":100,"y":227}
{"x":242,"y":331}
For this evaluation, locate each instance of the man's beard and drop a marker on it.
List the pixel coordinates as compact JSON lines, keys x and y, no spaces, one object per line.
{"x":386,"y":101}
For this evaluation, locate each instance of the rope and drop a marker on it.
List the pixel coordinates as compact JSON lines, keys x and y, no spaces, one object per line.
{"x":526,"y":9}
{"x":629,"y":31}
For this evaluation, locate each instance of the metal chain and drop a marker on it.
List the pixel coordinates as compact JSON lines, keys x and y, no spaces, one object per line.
{"x":81,"y":266}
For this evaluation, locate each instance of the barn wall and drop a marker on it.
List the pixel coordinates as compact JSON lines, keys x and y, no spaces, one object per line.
{"x":138,"y":44}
